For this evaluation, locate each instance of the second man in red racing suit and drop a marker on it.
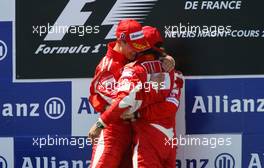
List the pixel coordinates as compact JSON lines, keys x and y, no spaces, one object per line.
{"x":157,"y":122}
{"x":102,"y":93}
{"x":155,"y":130}
{"x":133,"y":96}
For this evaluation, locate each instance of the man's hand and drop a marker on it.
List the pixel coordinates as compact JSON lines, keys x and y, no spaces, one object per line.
{"x":168,"y":63}
{"x":94,"y":133}
{"x":127,"y":115}
{"x":157,"y":78}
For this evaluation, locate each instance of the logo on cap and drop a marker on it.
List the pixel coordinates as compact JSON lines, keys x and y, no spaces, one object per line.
{"x":140,"y":46}
{"x":136,"y":35}
{"x":123,"y":36}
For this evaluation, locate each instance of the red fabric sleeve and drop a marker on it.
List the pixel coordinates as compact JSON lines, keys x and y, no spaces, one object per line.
{"x":102,"y":91}
{"x":126,"y":97}
{"x":167,"y":108}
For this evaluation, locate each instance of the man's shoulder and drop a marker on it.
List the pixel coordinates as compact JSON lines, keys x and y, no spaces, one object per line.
{"x":145,"y":67}
{"x":134,"y":67}
{"x":153,"y":66}
{"x":109,"y":64}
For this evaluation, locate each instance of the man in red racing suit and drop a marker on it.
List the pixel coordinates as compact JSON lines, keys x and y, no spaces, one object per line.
{"x":155,"y":130}
{"x":102,"y":93}
{"x":132,"y":96}
{"x":154,"y":123}
{"x":130,"y":40}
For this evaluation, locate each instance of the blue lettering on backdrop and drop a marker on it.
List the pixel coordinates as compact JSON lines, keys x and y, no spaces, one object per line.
{"x":30,"y":108}
{"x":224,"y":106}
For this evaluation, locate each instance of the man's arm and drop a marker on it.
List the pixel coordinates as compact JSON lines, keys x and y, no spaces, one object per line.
{"x":102,"y":91}
{"x":129,"y":85}
{"x":168,"y":107}
{"x":131,"y":94}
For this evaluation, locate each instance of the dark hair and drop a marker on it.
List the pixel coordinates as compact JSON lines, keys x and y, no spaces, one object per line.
{"x":159,"y":44}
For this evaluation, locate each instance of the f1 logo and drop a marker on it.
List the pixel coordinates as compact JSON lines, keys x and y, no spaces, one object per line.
{"x":3,"y":50}
{"x":3,"y":162}
{"x":70,"y":16}
{"x":224,"y":160}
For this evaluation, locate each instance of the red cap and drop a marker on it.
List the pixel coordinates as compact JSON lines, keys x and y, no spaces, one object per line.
{"x":131,"y":31}
{"x":152,"y":35}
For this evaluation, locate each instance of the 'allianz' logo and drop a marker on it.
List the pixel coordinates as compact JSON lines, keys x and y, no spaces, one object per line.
{"x":222,"y":104}
{"x":3,"y":162}
{"x":256,"y":160}
{"x":54,"y":109}
{"x":3,"y":50}
{"x":225,"y":160}
{"x":85,"y":107}
{"x":52,"y":162}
